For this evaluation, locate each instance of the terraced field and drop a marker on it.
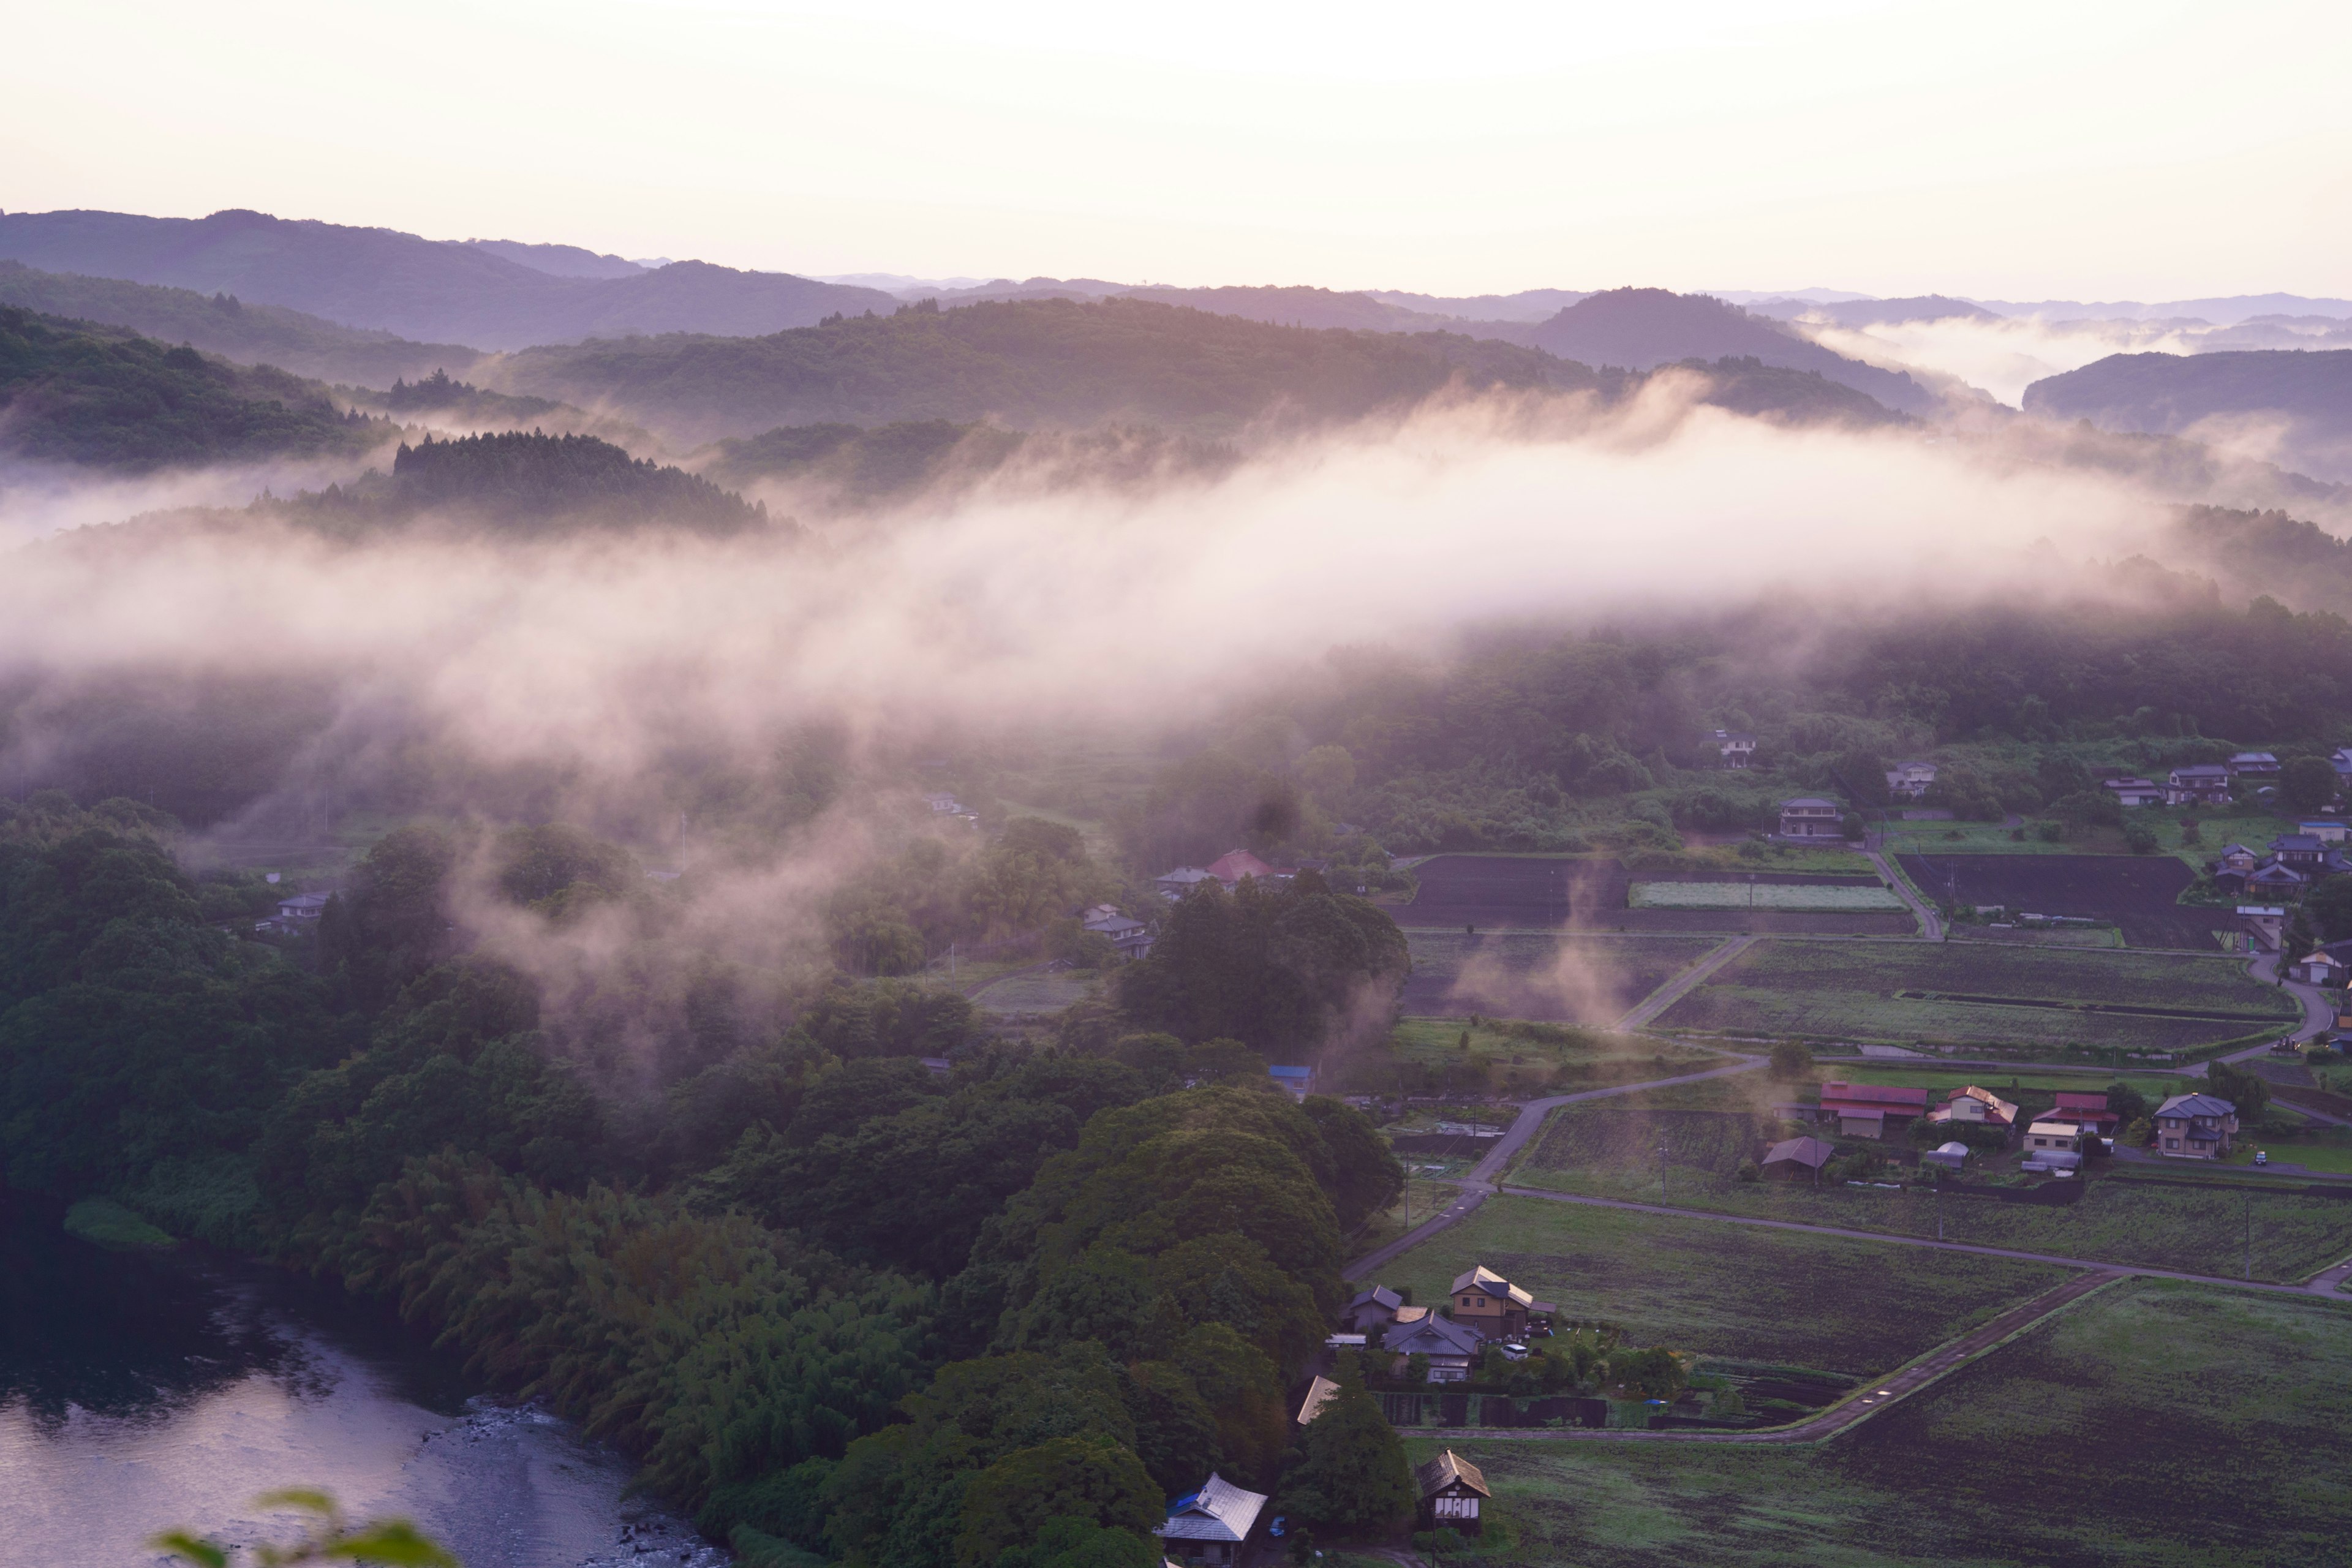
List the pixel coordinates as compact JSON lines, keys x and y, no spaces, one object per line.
{"x":2074,"y":1445}
{"x":1578,"y":979}
{"x":1536,"y":892}
{"x":1983,"y":996}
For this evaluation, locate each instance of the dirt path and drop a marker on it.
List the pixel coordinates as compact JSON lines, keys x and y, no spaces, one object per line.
{"x":1477,"y":1184}
{"x":1931,"y":924}
{"x":2095,"y":1264}
{"x":1855,"y":1409}
{"x":1681,"y":985}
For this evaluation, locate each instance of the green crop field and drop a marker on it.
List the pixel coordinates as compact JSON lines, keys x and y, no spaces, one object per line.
{"x":1581,"y":979}
{"x":2160,"y":1218}
{"x":1908,"y":992}
{"x":1856,"y":1307}
{"x":2161,"y":1425}
{"x":1753,"y":896}
{"x":2253,"y":827}
{"x":1036,"y":992}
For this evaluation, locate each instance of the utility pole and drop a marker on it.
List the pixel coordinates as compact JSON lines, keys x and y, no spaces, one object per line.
{"x":1939,"y":1206}
{"x":1662,"y":1168}
{"x":2250,"y":1233}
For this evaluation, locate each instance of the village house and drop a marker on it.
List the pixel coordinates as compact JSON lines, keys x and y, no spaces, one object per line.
{"x":1451,"y":1492}
{"x":1236,"y":865}
{"x":2299,"y":850}
{"x":2260,"y":766}
{"x":2328,"y":830}
{"x":1810,"y":816}
{"x":2054,"y":1135}
{"x":2194,"y":1127}
{"x":1448,"y":1347}
{"x":2274,"y":879}
{"x":2198,"y":783}
{"x":2266,"y":926}
{"x":1868,"y":1110}
{"x":1173,"y":885}
{"x":2088,"y":1112}
{"x":1976,"y":1107}
{"x":1492,"y":1306}
{"x":1369,"y":1311}
{"x":1737,"y":746}
{"x":1131,"y":937}
{"x":2318,"y":967}
{"x":1211,"y":1526}
{"x":2136,"y":791}
{"x":2340,"y":760}
{"x":1797,"y":1158}
{"x":1909,"y":781}
{"x":1296,"y":1082}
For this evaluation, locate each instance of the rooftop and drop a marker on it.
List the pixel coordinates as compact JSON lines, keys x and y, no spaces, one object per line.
{"x":1446,"y":1470}
{"x":1220,"y":1510}
{"x":2197,"y":1105}
{"x":1319,"y":1393}
{"x":1810,"y":1153}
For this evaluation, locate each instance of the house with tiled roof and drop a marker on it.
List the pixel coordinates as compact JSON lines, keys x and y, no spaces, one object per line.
{"x":1870,"y":1110}
{"x":2194,"y":1127}
{"x":1492,"y":1306}
{"x":1450,"y":1348}
{"x":1211,"y":1527}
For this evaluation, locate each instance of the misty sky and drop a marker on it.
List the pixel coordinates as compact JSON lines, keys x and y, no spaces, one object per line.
{"x":2148,"y":150}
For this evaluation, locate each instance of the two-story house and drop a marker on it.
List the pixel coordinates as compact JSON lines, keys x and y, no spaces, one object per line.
{"x":1810,"y":816}
{"x":1737,"y":746}
{"x":1491,"y":1304}
{"x":2198,"y":783}
{"x":1909,"y":781}
{"x":2194,"y":1127}
{"x":2260,"y":766}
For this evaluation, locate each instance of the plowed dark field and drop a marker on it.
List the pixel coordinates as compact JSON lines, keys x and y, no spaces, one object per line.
{"x":1533,"y":892}
{"x":2138,"y":892}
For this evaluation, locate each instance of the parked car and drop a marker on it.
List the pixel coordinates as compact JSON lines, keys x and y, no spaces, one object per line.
{"x":2261,"y":1156}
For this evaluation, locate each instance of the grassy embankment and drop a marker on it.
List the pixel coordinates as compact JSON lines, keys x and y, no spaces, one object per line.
{"x":2034,"y":1002}
{"x":2214,"y":829}
{"x":2075,"y":1443}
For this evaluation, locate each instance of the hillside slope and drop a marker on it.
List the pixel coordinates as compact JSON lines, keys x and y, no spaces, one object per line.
{"x":1642,"y":328}
{"x":105,"y":398}
{"x":1023,"y":365}
{"x":420,"y":288}
{"x":222,"y":324}
{"x":2296,"y":404}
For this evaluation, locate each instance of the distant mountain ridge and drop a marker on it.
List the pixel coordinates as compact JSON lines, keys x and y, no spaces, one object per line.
{"x":1639,"y":329}
{"x":420,"y":288}
{"x":2299,"y":401}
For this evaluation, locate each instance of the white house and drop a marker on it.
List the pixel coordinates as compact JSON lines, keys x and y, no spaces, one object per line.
{"x":1810,"y":816}
{"x":2319,"y":967}
{"x":1909,"y":781}
{"x":1738,"y":747}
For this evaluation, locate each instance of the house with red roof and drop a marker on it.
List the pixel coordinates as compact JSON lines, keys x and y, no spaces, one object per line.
{"x":1870,"y":1110}
{"x":1234,"y":864}
{"x":2088,"y":1112}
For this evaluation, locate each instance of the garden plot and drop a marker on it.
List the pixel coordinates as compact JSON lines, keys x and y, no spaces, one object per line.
{"x":1979,"y":996}
{"x":1530,"y":892}
{"x":2074,"y":1444}
{"x":1584,"y":979}
{"x":1748,"y":1293}
{"x":2138,"y":893}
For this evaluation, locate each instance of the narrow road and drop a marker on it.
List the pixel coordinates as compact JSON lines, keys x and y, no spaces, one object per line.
{"x":2318,"y":1010}
{"x":1931,"y":924}
{"x":1674,"y":990}
{"x":1853,"y":1409}
{"x":1922,"y":1241}
{"x":1478,"y":1185}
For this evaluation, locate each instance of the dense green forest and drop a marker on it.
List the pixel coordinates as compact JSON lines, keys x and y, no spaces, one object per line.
{"x":2303,"y":397}
{"x":1100,"y":1290}
{"x":222,"y":324}
{"x":74,"y":393}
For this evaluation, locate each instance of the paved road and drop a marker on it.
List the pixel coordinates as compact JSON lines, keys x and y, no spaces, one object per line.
{"x":1478,"y":1185}
{"x":1674,"y":990}
{"x":1855,"y":1409}
{"x":1922,"y":1241}
{"x":1931,"y":924}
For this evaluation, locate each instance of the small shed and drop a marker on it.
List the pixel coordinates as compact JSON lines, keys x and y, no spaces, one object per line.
{"x":1797,"y":1158}
{"x":1452,"y":1494}
{"x":2319,"y":967}
{"x":1946,"y":1156}
{"x":2046,"y":1136}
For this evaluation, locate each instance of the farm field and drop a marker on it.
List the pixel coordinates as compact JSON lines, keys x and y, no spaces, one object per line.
{"x":1534,"y":893}
{"x":1817,"y":1302}
{"x":1533,"y":1060}
{"x":2252,"y":828}
{"x":1981,"y":997}
{"x":2138,"y":892}
{"x":1749,"y":895}
{"x":2071,"y":1445}
{"x":1581,"y":979}
{"x":1036,"y":991}
{"x":2158,"y":1217}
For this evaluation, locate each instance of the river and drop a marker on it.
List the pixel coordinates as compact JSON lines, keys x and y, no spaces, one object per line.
{"x":141,"y":1391}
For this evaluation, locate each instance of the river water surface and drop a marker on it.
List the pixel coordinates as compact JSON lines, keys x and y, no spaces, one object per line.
{"x":144,"y":1391}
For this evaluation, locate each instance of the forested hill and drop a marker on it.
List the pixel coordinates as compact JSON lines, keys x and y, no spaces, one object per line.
{"x":427,"y":289}
{"x":1639,"y":328}
{"x":523,"y":483}
{"x":72,"y":392}
{"x":225,"y":325}
{"x":2303,"y":398}
{"x":1026,"y":363}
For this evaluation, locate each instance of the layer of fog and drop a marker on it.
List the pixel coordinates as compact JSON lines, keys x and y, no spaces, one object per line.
{"x":38,"y":498}
{"x":2005,"y":356}
{"x":1078,"y":607}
